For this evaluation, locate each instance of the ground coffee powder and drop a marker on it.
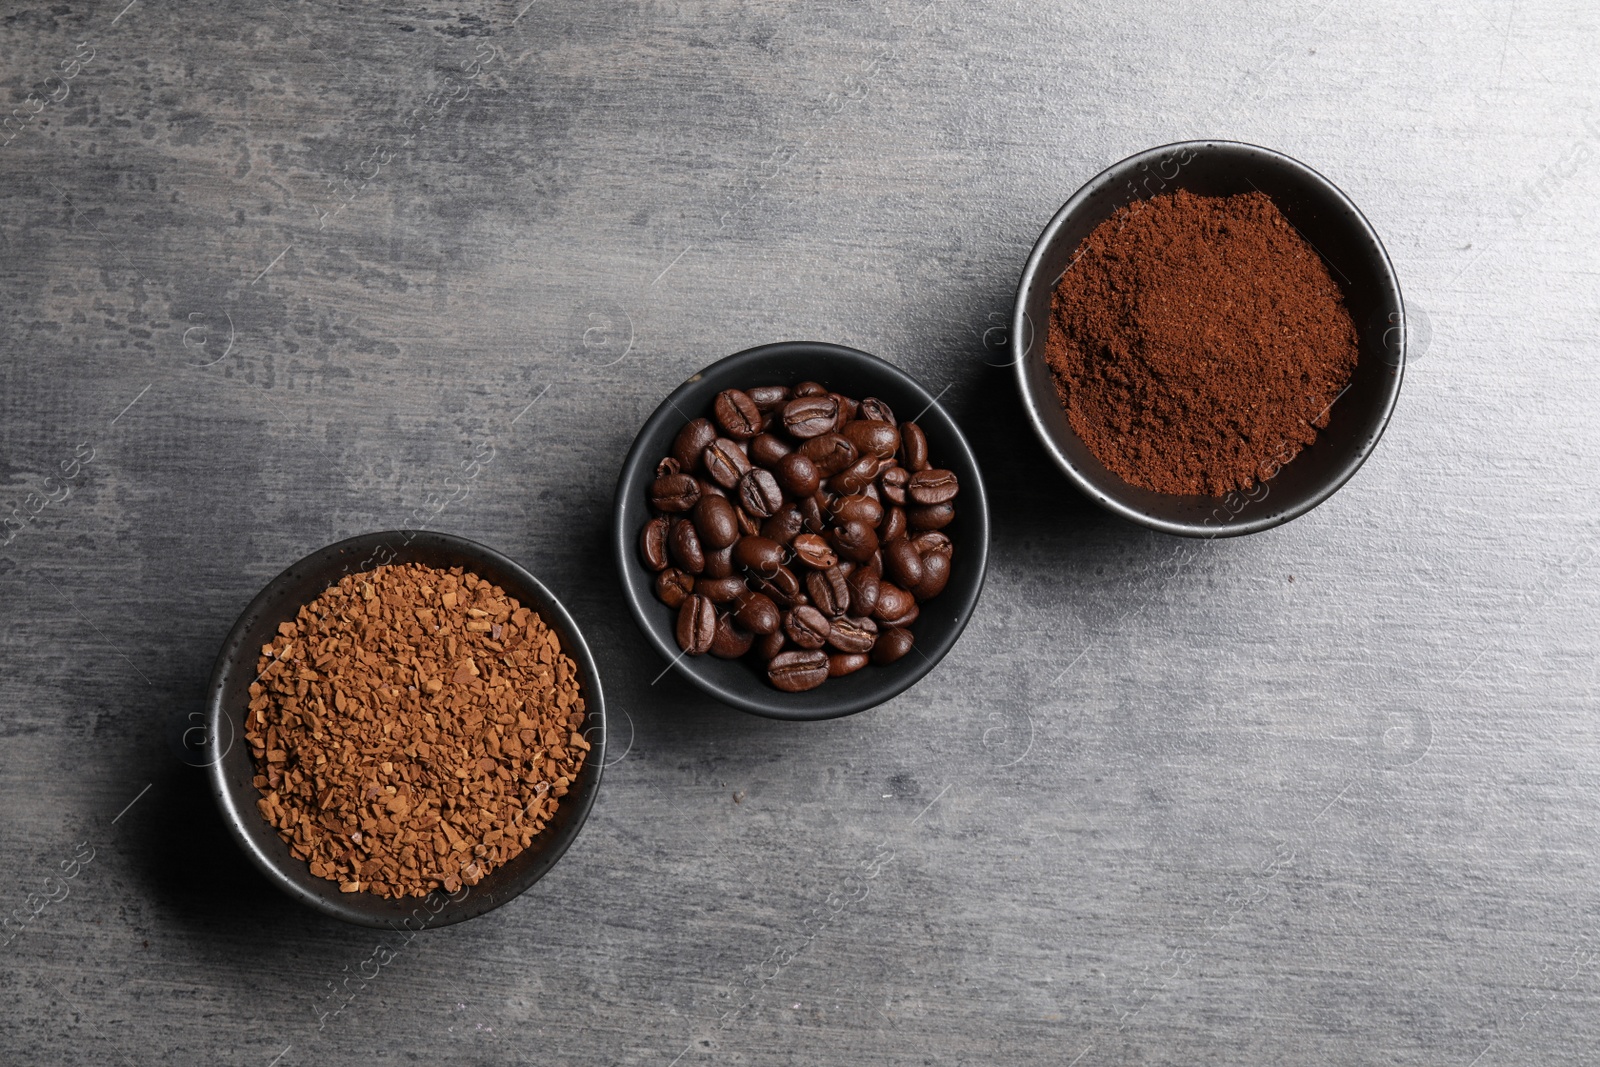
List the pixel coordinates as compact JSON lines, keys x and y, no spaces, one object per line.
{"x":414,"y":729}
{"x":1198,"y":343}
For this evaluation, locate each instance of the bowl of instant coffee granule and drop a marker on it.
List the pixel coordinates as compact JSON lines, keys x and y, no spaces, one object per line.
{"x":1209,"y":338}
{"x":412,"y":730}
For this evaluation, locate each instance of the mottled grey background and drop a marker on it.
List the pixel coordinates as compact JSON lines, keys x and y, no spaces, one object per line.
{"x":1327,"y":794}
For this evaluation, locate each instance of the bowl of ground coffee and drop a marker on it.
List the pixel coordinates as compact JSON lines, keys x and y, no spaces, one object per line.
{"x":1209,"y":338}
{"x":411,"y":730}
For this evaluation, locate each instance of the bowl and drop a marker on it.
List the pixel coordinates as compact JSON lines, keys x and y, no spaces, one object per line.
{"x":231,"y":772}
{"x":1358,"y":264}
{"x":855,"y":374}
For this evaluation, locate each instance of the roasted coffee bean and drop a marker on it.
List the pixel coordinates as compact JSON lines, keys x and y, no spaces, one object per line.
{"x":653,"y":542}
{"x":931,"y":517}
{"x":759,"y":555}
{"x":913,"y":447}
{"x":770,"y":398}
{"x":872,"y":437}
{"x":768,"y":646}
{"x":759,"y":493}
{"x":674,"y":492}
{"x":830,"y":453}
{"x":719,"y":564}
{"x":874,"y":564}
{"x":721,"y":590}
{"x":798,"y":476}
{"x":749,"y":525}
{"x":674,"y":586}
{"x":785,"y":524}
{"x":667,"y":466}
{"x":857,"y":507}
{"x":901,"y":562}
{"x":807,"y":627}
{"x":864,"y":588}
{"x":904,"y":622}
{"x":932,"y":541}
{"x":730,"y":640}
{"x":812,"y":512}
{"x":683,"y":544}
{"x":691,"y":442}
{"x":843,"y":663}
{"x":715,"y":521}
{"x":813,"y":551}
{"x":829,"y":592}
{"x":894,"y":525}
{"x":810,"y":389}
{"x":737,"y":414}
{"x":781,"y":585}
{"x":847,"y":409}
{"x":893,"y":602}
{"x":892,"y":484}
{"x":876,"y":410}
{"x":932,"y":487}
{"x":854,"y":540}
{"x":853,"y":634}
{"x":856,"y":477}
{"x":935,"y":575}
{"x":810,"y":416}
{"x":757,"y":613}
{"x":697,"y":625}
{"x":795,"y":672}
{"x":768,"y":451}
{"x":725,"y":462}
{"x":892,"y":644}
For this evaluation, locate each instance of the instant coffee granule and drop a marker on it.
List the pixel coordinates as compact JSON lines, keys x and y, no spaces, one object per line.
{"x":414,"y":729}
{"x":1198,"y":343}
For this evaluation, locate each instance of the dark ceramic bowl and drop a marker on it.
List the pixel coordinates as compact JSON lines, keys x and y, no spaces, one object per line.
{"x":232,"y":772}
{"x":854,"y":374}
{"x":1357,"y":262}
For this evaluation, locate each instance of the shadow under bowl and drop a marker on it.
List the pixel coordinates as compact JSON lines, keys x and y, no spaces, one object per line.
{"x":1356,"y":261}
{"x":232,"y":772}
{"x":851,"y":373}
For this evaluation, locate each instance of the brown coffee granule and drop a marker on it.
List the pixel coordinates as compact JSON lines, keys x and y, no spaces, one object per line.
{"x":1198,"y":342}
{"x":413,"y":729}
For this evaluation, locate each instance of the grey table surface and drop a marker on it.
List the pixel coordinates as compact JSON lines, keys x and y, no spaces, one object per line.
{"x":272,"y":273}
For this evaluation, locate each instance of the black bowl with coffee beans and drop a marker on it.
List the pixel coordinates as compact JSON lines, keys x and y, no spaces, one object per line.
{"x":802,"y":530}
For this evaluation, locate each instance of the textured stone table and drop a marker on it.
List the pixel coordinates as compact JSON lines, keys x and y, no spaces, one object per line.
{"x":271,"y":274}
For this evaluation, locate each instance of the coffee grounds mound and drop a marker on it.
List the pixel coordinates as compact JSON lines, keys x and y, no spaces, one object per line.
{"x":413,"y":729}
{"x":1198,"y":343}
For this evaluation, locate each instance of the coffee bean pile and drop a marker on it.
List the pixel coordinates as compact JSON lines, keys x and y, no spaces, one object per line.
{"x":801,"y":528}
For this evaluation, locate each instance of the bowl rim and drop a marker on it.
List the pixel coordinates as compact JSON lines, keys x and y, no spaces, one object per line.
{"x":624,"y":540}
{"x":234,"y":812}
{"x":1019,"y":331}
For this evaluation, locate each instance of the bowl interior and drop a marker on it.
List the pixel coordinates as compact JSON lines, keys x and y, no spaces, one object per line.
{"x":1356,"y":261}
{"x":855,"y":374}
{"x":233,"y":771}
